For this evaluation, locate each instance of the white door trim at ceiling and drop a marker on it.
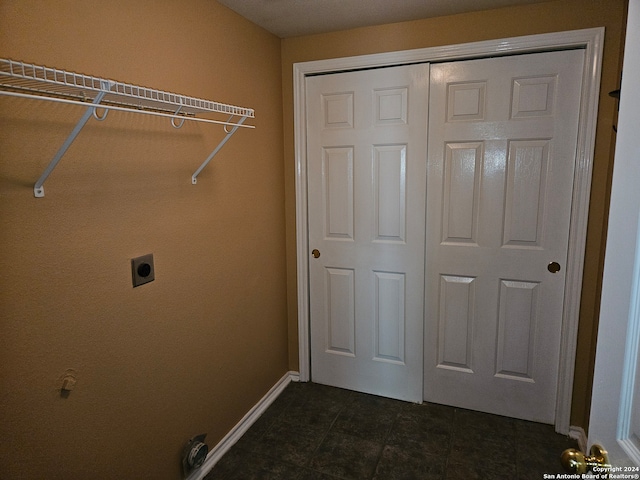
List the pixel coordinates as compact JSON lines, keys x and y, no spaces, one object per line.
{"x":589,"y":39}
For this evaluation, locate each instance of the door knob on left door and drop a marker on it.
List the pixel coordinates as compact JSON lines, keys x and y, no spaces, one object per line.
{"x":315,"y":252}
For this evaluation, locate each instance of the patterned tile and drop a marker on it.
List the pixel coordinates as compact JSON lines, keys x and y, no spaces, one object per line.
{"x":485,"y":422}
{"x":253,"y":437}
{"x":485,"y":453}
{"x":233,"y":465}
{"x":316,"y":406}
{"x":347,"y":457}
{"x":315,"y":432}
{"x":397,"y":463}
{"x":308,"y":474}
{"x":426,"y":428}
{"x":368,"y":416}
{"x":290,"y":443}
{"x":478,"y":469}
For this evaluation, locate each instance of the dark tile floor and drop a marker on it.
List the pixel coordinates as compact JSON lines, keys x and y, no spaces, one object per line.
{"x":314,"y":432}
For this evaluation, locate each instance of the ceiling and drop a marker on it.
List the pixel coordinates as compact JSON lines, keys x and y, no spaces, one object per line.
{"x":290,"y":18}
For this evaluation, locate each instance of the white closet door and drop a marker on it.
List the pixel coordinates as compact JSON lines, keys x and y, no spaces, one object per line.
{"x":366,"y":137}
{"x":502,"y":145}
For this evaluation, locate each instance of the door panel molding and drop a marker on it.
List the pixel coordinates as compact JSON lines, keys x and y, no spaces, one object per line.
{"x":591,"y":40}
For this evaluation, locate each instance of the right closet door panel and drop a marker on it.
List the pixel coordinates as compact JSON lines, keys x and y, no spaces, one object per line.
{"x":501,"y":157}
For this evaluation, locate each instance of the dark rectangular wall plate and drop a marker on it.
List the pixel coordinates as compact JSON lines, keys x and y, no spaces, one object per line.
{"x":142,"y":270}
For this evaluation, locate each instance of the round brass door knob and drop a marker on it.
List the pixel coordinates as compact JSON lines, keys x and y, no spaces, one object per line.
{"x":553,"y":267}
{"x":574,"y":461}
{"x":315,"y":252}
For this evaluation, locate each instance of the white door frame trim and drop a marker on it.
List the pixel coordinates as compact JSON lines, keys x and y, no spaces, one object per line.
{"x":589,"y":39}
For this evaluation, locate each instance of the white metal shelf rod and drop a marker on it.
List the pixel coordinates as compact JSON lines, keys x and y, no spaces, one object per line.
{"x":51,"y":80}
{"x":38,"y":189}
{"x":194,"y":179}
{"x":124,"y":109}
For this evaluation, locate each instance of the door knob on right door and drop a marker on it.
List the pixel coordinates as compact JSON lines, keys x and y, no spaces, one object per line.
{"x":553,"y":267}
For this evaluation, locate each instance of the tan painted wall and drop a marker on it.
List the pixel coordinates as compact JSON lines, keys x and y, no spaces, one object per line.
{"x":191,"y":352}
{"x":545,"y":17}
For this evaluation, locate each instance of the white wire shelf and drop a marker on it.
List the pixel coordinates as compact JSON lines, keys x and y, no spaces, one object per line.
{"x":27,"y":80}
{"x":40,"y":80}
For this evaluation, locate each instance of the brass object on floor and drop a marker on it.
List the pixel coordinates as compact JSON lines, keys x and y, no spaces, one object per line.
{"x":574,"y":461}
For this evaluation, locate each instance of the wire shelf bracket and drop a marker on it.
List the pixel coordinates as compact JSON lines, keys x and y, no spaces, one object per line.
{"x":25,"y":80}
{"x":194,"y":179}
{"x":38,"y":188}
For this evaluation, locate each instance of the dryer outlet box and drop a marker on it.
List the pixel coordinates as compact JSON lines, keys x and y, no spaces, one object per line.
{"x":142,"y":270}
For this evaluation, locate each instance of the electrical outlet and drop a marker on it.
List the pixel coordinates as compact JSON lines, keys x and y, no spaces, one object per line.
{"x":142,"y":270}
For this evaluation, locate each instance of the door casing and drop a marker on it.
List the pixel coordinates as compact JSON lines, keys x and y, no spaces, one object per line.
{"x":615,"y":401}
{"x":591,"y":40}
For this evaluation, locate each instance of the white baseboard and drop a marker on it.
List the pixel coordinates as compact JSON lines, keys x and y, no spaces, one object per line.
{"x":579,"y":435}
{"x":217,"y":452}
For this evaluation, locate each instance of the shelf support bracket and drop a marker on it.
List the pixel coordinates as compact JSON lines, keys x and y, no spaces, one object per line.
{"x":194,"y":179}
{"x":38,"y":189}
